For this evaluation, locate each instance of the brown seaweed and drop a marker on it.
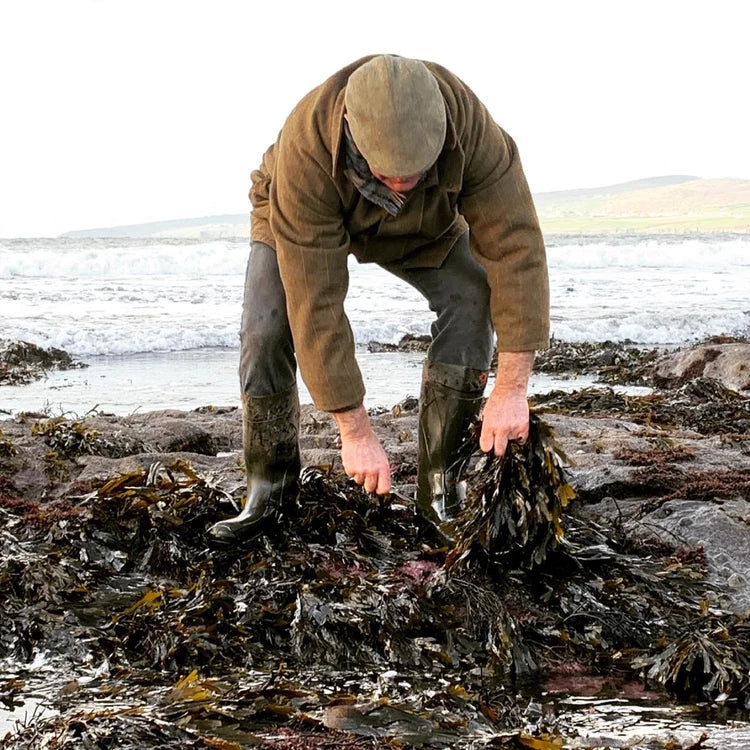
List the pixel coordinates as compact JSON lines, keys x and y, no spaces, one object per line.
{"x":515,"y":502}
{"x":341,"y":599}
{"x":703,"y":405}
{"x":22,"y":362}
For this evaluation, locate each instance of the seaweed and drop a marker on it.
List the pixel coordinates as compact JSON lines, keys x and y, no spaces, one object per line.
{"x":621,"y":363}
{"x":68,"y":440}
{"x":8,"y":448}
{"x":703,"y":405}
{"x":709,"y":659}
{"x":345,"y":620}
{"x":515,"y":502}
{"x":22,"y":362}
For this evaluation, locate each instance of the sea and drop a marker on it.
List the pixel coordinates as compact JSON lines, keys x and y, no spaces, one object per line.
{"x":156,"y":320}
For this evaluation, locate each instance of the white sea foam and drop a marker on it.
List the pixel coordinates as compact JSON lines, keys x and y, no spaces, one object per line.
{"x":119,"y":296}
{"x":115,"y":259}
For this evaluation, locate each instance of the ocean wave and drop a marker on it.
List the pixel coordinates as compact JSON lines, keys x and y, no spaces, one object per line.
{"x":109,"y":259}
{"x":654,"y":329}
{"x":117,"y":260}
{"x":111,"y":338}
{"x":653,"y":253}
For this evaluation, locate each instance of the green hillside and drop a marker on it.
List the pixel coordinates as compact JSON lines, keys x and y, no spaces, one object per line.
{"x":666,"y":204}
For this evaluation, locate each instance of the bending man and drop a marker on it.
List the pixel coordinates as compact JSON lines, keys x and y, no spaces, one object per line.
{"x":397,"y":162}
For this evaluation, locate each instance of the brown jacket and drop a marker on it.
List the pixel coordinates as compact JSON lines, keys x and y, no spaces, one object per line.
{"x":305,"y":208}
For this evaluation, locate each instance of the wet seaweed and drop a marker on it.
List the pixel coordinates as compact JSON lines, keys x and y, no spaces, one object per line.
{"x":515,"y":502}
{"x":22,"y":362}
{"x":621,"y":363}
{"x":8,"y":448}
{"x":703,"y":405}
{"x":709,"y":659}
{"x":342,"y":599}
{"x":69,"y":439}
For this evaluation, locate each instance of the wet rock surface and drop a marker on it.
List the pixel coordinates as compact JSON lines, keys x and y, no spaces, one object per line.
{"x":339,"y":624}
{"x":729,"y":363}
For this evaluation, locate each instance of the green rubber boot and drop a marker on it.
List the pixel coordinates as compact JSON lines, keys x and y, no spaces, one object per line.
{"x":451,"y":399}
{"x":270,"y":427}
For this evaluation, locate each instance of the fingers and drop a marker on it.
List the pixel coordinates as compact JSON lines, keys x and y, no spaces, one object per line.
{"x":366,"y":463}
{"x":378,"y":480}
{"x":497,"y":440}
{"x":371,"y":482}
{"x":384,"y":482}
{"x":493,"y":440}
{"x":501,"y":443}
{"x":487,"y":438}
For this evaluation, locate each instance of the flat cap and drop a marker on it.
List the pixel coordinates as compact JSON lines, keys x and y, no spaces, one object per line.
{"x":396,"y":115}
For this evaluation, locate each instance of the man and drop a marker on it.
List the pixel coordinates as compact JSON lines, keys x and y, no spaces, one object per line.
{"x":397,"y":162}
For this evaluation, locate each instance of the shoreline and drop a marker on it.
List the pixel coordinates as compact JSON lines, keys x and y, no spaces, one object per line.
{"x":126,"y":384}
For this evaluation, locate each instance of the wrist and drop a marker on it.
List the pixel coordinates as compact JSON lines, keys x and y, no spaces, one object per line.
{"x":353,"y":423}
{"x":513,"y":371}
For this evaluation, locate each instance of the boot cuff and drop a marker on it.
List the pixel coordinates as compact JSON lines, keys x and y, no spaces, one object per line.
{"x":456,"y":377}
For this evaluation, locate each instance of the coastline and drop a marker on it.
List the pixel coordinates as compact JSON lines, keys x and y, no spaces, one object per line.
{"x":125,"y":384}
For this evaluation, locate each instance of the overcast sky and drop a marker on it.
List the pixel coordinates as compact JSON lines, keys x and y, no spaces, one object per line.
{"x":126,"y":111}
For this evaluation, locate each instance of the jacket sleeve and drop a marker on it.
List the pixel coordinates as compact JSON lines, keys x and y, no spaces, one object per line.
{"x":312,"y":248}
{"x":504,"y":230}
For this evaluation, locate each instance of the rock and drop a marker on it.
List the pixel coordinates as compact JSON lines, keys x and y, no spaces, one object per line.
{"x":22,"y":362}
{"x":727,"y":363}
{"x":408,"y":343}
{"x":720,"y":528}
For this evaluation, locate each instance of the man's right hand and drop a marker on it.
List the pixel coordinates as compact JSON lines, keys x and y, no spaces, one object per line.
{"x":362,"y":454}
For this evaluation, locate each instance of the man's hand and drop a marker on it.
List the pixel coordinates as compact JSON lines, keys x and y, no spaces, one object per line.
{"x":506,"y":413}
{"x":361,"y":452}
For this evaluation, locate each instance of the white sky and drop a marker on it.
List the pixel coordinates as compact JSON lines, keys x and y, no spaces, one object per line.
{"x":125,"y":111}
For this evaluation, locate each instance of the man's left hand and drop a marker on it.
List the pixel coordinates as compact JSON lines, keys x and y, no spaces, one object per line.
{"x":506,"y":413}
{"x":505,"y":418}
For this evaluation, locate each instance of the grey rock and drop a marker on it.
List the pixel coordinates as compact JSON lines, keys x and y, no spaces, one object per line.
{"x":722,"y":528}
{"x":727,"y":363}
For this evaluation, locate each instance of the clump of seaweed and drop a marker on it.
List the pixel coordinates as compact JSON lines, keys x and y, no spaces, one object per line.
{"x":69,"y":439}
{"x":515,"y":502}
{"x":8,"y":447}
{"x":22,"y":362}
{"x":711,"y":658}
{"x":613,"y":362}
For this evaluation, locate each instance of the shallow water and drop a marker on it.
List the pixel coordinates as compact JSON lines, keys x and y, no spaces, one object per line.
{"x":187,"y":380}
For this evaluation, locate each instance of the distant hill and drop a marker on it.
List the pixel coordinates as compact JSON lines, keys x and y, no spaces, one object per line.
{"x":202,"y":227}
{"x":660,"y":204}
{"x":673,"y":203}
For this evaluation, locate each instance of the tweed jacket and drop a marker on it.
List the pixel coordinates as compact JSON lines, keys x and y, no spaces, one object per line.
{"x":313,"y":216}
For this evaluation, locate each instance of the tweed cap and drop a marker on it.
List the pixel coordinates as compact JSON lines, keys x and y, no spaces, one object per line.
{"x":396,"y":115}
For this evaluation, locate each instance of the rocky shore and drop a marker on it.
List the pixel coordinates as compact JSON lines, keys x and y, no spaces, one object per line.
{"x":338,"y":625}
{"x":22,"y":362}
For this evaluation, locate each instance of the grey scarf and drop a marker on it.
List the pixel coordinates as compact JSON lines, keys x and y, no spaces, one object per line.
{"x":358,"y":171}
